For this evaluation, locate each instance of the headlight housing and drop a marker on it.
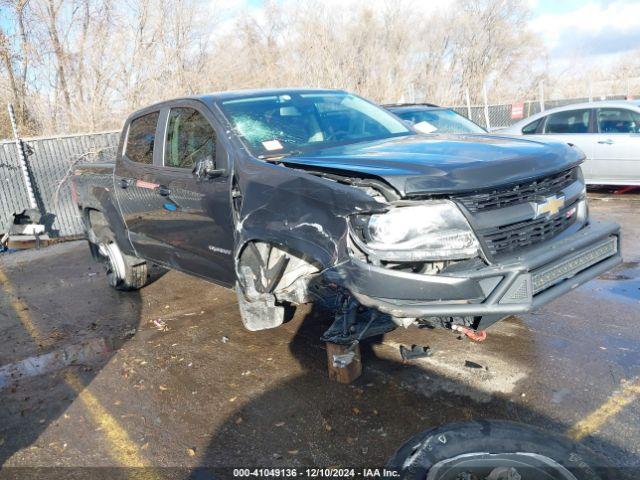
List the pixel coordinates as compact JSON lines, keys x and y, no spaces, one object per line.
{"x":432,"y":231}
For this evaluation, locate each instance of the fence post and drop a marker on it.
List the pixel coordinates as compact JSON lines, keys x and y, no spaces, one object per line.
{"x":466,"y":91}
{"x":22,"y":159}
{"x":486,"y":107}
{"x":541,"y":94}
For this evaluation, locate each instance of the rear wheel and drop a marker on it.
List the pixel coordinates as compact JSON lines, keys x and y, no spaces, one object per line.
{"x":496,"y":450}
{"x":124,"y":272}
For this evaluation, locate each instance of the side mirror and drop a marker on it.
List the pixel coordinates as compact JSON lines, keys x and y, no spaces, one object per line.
{"x":205,"y":168}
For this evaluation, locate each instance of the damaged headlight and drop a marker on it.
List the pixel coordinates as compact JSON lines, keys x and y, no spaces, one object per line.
{"x":435,"y":230}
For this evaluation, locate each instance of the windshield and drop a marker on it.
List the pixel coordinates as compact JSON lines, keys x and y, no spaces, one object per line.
{"x":287,"y":123}
{"x":439,"y":121}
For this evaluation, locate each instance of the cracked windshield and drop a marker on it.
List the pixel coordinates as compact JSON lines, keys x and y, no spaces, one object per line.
{"x":286,"y":124}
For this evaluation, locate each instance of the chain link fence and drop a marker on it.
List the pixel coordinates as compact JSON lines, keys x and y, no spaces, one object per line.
{"x":50,"y":162}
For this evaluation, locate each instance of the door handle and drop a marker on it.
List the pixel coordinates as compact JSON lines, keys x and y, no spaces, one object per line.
{"x":606,"y":142}
{"x":164,"y":190}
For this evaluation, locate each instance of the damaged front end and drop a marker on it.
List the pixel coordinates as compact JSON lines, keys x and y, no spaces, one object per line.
{"x":307,"y":253}
{"x":292,"y":230}
{"x":468,"y":260}
{"x":404,"y":257}
{"x":380,"y":260}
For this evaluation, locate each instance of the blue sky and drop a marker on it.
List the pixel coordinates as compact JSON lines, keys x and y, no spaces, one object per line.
{"x":556,"y":6}
{"x":595,"y":30}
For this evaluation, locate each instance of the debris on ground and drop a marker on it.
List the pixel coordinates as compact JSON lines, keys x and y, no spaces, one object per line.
{"x":225,"y":339}
{"x":129,"y":333}
{"x":475,"y":335}
{"x":416,"y":351}
{"x":27,"y":231}
{"x":161,"y":325}
{"x":3,"y":242}
{"x":470,"y":364}
{"x":326,"y":425}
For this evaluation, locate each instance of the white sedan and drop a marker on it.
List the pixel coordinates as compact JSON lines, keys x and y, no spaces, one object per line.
{"x":608,"y":132}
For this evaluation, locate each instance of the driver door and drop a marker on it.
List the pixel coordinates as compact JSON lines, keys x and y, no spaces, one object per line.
{"x":198,"y":222}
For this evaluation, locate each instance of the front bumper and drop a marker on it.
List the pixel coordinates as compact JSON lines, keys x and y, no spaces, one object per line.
{"x":515,"y":285}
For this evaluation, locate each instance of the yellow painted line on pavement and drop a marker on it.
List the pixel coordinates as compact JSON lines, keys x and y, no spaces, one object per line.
{"x":121,"y":448}
{"x":614,"y":405}
{"x":22,"y":311}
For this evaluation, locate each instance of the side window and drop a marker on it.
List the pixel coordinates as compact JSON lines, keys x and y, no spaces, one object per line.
{"x":571,"y":121}
{"x":618,"y":120}
{"x":190,"y":137}
{"x":532,"y":127}
{"x":141,"y":137}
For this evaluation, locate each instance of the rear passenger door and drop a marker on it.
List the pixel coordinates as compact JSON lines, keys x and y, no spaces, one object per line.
{"x":135,"y":186}
{"x":617,"y":149}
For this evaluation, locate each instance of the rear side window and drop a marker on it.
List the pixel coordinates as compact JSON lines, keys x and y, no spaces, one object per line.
{"x":571,"y":121}
{"x":531,"y":128}
{"x":190,"y":137}
{"x":618,"y":120}
{"x":141,"y":138}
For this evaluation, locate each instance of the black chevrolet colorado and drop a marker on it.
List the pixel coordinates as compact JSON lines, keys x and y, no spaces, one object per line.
{"x":297,"y":196}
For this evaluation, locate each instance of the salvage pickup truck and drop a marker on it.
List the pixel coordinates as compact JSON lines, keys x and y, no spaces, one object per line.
{"x":297,"y":196}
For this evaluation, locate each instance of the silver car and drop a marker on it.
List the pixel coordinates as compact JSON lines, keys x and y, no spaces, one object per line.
{"x":608,"y":133}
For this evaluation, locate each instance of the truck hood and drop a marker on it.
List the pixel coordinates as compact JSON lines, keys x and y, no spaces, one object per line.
{"x":421,"y":164}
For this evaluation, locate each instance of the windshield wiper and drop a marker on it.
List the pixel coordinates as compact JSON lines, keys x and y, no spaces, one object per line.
{"x":276,"y":156}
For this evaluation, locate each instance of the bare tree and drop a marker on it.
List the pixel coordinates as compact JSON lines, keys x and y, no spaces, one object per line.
{"x":15,"y":58}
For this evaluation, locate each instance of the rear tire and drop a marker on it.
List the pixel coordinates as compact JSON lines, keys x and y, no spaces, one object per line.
{"x":124,"y":272}
{"x":437,"y":453}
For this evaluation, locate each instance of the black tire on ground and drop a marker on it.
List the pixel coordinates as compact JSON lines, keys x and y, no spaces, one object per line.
{"x":420,"y":454}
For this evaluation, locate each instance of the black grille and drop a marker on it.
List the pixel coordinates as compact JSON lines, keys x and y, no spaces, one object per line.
{"x":521,"y":193}
{"x":511,"y":238}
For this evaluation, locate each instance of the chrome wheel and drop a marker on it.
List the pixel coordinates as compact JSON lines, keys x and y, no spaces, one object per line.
{"x":116,"y":268}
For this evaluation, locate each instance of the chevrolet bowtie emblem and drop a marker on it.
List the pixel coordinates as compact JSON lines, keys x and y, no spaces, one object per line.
{"x":550,"y":205}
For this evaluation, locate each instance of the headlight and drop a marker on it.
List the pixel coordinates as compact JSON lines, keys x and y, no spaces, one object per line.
{"x":435,"y":230}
